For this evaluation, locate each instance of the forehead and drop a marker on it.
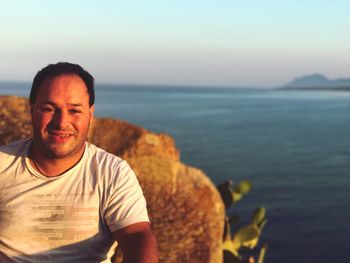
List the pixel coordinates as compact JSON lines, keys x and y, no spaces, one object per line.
{"x":63,"y":89}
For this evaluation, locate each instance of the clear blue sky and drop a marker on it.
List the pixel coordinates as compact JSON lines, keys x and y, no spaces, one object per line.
{"x":233,"y":42}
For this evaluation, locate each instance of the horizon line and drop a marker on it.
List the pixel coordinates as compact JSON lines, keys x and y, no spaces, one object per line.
{"x":162,"y":85}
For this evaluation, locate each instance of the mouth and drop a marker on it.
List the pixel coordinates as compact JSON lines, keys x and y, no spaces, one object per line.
{"x":60,"y":137}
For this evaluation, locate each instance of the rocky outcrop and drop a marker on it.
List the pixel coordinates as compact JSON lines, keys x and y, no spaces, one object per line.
{"x":185,"y":208}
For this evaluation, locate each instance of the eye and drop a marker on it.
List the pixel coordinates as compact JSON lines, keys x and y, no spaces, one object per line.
{"x":74,"y":111}
{"x":46,"y":109}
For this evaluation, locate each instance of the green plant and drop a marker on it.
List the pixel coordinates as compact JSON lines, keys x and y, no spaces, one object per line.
{"x":247,"y":236}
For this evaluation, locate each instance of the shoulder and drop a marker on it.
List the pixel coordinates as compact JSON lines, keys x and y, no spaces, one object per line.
{"x":18,"y":148}
{"x":13,"y":152}
{"x":104,"y":162}
{"x":100,"y":155}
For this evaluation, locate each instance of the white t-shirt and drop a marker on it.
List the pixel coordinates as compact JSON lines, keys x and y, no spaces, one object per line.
{"x":68,"y":218}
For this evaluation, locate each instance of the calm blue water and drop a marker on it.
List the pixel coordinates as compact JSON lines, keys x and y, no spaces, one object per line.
{"x":293,"y":145}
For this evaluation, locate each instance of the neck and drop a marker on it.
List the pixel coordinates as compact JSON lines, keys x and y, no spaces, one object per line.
{"x":52,"y":167}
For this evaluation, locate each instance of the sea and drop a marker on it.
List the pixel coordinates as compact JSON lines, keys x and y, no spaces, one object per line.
{"x":292,"y":145}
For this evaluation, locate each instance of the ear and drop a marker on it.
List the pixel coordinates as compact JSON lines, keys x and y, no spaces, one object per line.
{"x":91,"y":113}
{"x":31,"y":107}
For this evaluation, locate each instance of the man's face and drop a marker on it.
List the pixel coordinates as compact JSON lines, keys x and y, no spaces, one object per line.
{"x":61,"y":117}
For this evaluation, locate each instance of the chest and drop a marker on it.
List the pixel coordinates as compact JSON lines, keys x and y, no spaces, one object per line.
{"x":49,"y":214}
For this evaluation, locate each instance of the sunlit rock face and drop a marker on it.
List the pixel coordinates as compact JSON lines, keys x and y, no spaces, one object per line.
{"x":185,"y":209}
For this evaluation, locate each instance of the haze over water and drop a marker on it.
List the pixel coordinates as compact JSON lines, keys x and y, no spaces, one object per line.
{"x":205,"y":43}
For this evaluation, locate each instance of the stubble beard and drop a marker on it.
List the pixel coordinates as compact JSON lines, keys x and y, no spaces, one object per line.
{"x":52,"y":150}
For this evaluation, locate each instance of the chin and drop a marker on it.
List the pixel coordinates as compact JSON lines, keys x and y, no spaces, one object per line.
{"x":62,"y":151}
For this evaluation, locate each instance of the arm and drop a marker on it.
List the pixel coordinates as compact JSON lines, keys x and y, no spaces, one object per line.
{"x":137,"y":243}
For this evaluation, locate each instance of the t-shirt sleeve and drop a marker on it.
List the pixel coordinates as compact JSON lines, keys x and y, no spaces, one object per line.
{"x":126,"y":204}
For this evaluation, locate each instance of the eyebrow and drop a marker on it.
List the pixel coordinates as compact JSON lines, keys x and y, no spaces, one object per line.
{"x":69,"y":104}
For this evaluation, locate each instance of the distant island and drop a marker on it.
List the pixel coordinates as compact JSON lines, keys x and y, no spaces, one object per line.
{"x":318,"y":81}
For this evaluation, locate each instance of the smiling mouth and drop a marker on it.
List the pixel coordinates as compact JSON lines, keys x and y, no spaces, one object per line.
{"x":61,"y":135}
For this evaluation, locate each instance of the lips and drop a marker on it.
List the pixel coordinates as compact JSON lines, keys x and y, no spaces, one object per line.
{"x":60,"y":136}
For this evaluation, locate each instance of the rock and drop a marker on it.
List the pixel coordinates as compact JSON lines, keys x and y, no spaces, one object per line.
{"x":185,"y":209}
{"x":15,"y":123}
{"x":129,"y":141}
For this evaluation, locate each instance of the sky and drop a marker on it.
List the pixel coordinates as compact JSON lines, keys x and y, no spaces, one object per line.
{"x":250,"y":43}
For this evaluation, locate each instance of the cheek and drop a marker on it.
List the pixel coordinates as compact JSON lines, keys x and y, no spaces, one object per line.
{"x":81,"y":124}
{"x":40,"y":120}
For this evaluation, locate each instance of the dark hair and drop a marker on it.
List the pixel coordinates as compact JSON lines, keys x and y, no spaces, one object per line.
{"x":63,"y":68}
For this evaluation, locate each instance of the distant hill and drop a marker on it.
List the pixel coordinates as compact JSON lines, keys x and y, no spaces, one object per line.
{"x":318,"y":81}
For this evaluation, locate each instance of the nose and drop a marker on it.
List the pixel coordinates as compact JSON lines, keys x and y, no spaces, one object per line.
{"x":60,"y":120}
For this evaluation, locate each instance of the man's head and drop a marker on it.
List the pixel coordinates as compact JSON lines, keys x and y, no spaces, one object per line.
{"x":62,"y":106}
{"x":63,"y":68}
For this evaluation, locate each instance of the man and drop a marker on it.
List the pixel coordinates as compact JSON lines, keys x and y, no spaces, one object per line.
{"x":61,"y":198}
